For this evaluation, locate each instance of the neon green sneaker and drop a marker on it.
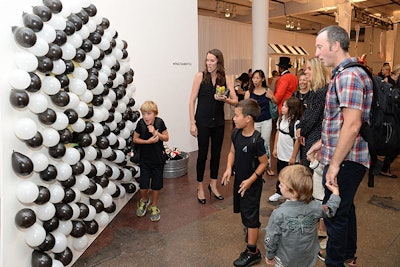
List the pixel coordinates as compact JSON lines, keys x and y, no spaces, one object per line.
{"x":142,"y":207}
{"x":155,"y":214}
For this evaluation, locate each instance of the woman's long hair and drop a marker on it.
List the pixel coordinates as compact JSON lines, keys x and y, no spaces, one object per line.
{"x":220,"y":68}
{"x":262,"y":75}
{"x":320,"y":74}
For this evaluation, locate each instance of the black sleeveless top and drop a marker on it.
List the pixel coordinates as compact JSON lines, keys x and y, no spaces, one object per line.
{"x":209,"y":112}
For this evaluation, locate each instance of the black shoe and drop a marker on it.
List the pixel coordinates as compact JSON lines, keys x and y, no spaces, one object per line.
{"x":201,"y":200}
{"x":247,"y":258}
{"x":217,"y":197}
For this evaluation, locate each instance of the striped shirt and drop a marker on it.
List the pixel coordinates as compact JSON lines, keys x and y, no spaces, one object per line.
{"x":349,"y":88}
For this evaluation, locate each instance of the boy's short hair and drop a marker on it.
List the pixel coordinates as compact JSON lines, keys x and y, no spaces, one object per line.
{"x":149,"y":106}
{"x":299,"y":179}
{"x":249,"y":107}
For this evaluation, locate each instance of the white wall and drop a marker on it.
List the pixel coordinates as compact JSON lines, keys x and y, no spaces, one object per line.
{"x":163,"y":53}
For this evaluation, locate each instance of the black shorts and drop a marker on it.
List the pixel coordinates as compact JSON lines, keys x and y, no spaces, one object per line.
{"x":151,"y":176}
{"x":249,"y":205}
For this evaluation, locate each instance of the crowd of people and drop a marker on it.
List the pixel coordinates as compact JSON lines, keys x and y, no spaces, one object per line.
{"x":321,"y":157}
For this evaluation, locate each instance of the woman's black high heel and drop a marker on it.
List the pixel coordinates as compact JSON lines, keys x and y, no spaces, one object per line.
{"x":201,"y":200}
{"x":217,"y":197}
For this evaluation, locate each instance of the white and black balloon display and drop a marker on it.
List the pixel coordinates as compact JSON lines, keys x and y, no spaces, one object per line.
{"x":73,"y":79}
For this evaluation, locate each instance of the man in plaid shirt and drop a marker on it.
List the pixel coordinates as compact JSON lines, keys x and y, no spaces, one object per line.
{"x":341,"y":149}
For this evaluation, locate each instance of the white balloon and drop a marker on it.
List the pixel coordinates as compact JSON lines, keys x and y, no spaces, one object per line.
{"x":90,"y":153}
{"x":112,"y":96}
{"x":107,"y":104}
{"x":129,"y":125}
{"x":64,"y":171}
{"x":98,"y":128}
{"x":77,"y":86}
{"x":103,"y":77}
{"x":40,"y":48}
{"x":60,"y":242}
{"x":78,"y":126}
{"x":27,"y":192}
{"x":112,"y":138}
{"x":100,"y":167}
{"x":111,"y":188}
{"x":47,"y":33}
{"x":57,"y":21}
{"x":88,"y":62}
{"x":97,"y":19}
{"x":98,"y":193}
{"x":80,"y":73}
{"x":123,"y":191}
{"x":120,"y":156}
{"x":71,"y":156}
{"x":50,"y":85}
{"x":25,"y":128}
{"x":91,"y":25}
{"x":65,"y":227}
{"x":106,"y":199}
{"x":125,"y":133}
{"x":59,"y":67}
{"x":97,"y":115}
{"x":137,"y":171}
{"x":121,"y":107}
{"x":115,"y":172}
{"x":75,"y":39}
{"x":19,"y":79}
{"x":105,"y":153}
{"x":82,"y":182}
{"x":80,"y":243}
{"x":61,"y":121}
{"x":82,"y":109}
{"x":127,"y":175}
{"x":75,"y":210}
{"x":57,"y":263}
{"x":46,"y":211}
{"x":87,"y":165}
{"x":26,"y":61}
{"x":37,"y":103}
{"x":106,"y":69}
{"x":68,"y":51}
{"x":35,"y":235}
{"x":112,"y":125}
{"x":73,"y":101}
{"x":92,"y":213}
{"x":122,"y":142}
{"x":102,"y":218}
{"x":40,"y":161}
{"x":109,"y":60}
{"x":119,"y":44}
{"x":117,"y":116}
{"x":78,"y":196}
{"x":99,"y":89}
{"x":87,"y":96}
{"x":50,"y":137}
{"x":94,"y":53}
{"x":84,"y":32}
{"x":56,"y":193}
{"x":104,"y":44}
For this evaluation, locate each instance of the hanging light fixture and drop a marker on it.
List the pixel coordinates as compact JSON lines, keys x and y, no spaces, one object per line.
{"x":298,"y":26}
{"x":226,"y":8}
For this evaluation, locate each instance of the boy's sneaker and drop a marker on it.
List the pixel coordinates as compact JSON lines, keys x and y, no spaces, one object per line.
{"x":322,"y":256}
{"x":247,"y":258}
{"x":155,"y":214}
{"x":142,"y":207}
{"x":275,"y":197}
{"x":350,"y":262}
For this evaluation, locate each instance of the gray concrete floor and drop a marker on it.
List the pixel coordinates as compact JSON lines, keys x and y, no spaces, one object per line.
{"x":190,"y":234}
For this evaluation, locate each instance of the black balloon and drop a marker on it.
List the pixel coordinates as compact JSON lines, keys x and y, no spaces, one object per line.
{"x":35,"y":84}
{"x":95,"y":37}
{"x":32,"y":21}
{"x":98,"y":153}
{"x":108,"y":171}
{"x":91,"y":82}
{"x":84,"y":210}
{"x":102,"y":181}
{"x":61,"y":38}
{"x":102,"y":142}
{"x":19,"y":98}
{"x":47,"y":117}
{"x":48,"y":243}
{"x":131,"y":102}
{"x":44,"y":195}
{"x":69,"y":28}
{"x":67,"y":184}
{"x":24,"y":36}
{"x":113,"y":156}
{"x":69,"y":195}
{"x":41,"y":259}
{"x":60,"y":99}
{"x":63,"y":211}
{"x":51,"y":224}
{"x":87,"y":45}
{"x":76,"y":21}
{"x":91,"y":188}
{"x":116,"y":66}
{"x":91,"y":10}
{"x":77,"y":168}
{"x":78,"y":228}
{"x":84,"y":139}
{"x":25,"y":218}
{"x":57,"y":151}
{"x":48,"y":174}
{"x":124,"y":54}
{"x":45,"y":65}
{"x":90,"y":113}
{"x":97,"y":100}
{"x":35,"y":141}
{"x":43,"y":12}
{"x":64,"y":80}
{"x":54,"y":5}
{"x":91,"y":227}
{"x":99,"y":30}
{"x":83,"y":15}
{"x":64,"y":257}
{"x":55,"y":52}
{"x":69,"y":66}
{"x":89,"y":128}
{"x":80,"y":55}
{"x":21,"y":164}
{"x":106,"y":130}
{"x":72,"y":115}
{"x":97,"y":64}
{"x":97,"y":204}
{"x":111,"y":208}
{"x":105,"y":23}
{"x":81,"y":151}
{"x":117,"y":192}
{"x":92,"y":172}
{"x":65,"y":136}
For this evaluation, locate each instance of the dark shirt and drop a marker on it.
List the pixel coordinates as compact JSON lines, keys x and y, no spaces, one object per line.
{"x":263,"y":101}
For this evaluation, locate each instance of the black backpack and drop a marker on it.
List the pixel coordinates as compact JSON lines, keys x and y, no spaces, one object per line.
{"x":383,"y":131}
{"x":252,"y":146}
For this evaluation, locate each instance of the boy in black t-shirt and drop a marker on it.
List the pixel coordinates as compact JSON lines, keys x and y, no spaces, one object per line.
{"x":151,"y":159}
{"x":247,"y":153}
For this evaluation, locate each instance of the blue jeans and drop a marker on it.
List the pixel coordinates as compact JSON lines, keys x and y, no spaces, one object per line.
{"x":342,"y":228}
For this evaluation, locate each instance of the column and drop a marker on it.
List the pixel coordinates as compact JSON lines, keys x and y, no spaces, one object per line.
{"x":344,"y":14}
{"x":260,"y":35}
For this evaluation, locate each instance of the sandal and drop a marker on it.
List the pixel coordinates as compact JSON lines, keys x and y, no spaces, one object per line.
{"x":388,"y":174}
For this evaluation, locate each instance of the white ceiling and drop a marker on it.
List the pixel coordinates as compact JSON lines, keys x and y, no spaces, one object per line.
{"x":312,"y":14}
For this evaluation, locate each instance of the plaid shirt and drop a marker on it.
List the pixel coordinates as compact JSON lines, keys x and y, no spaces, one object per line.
{"x":353,"y":90}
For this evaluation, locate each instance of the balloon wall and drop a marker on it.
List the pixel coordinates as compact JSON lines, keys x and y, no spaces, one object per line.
{"x":71,"y":91}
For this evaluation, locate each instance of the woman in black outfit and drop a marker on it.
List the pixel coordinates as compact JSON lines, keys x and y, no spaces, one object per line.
{"x":208,"y":123}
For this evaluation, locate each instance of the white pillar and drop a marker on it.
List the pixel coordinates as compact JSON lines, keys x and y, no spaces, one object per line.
{"x":260,"y":35}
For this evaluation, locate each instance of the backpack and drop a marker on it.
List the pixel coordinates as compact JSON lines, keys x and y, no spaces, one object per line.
{"x":383,"y":131}
{"x":291,"y":131}
{"x":136,"y":147}
{"x":252,"y":146}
